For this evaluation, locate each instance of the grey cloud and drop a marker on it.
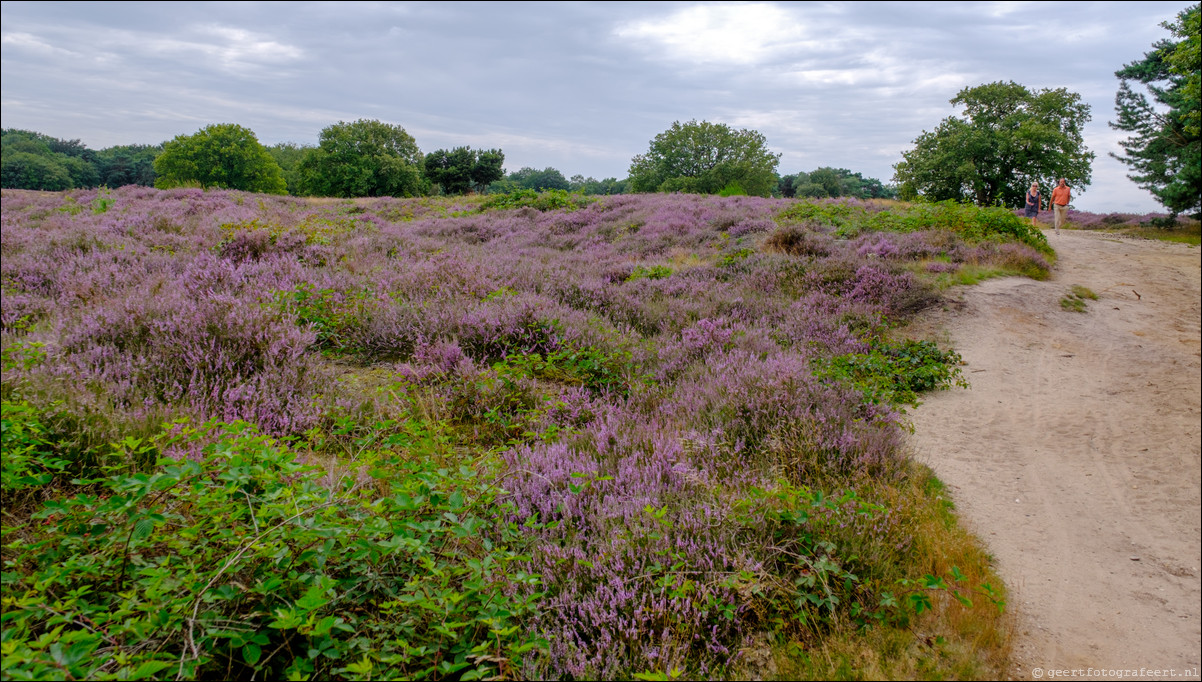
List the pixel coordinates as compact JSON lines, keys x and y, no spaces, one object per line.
{"x":569,"y":85}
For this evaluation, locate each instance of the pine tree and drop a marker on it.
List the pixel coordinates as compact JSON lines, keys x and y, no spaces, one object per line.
{"x":1165,"y":149}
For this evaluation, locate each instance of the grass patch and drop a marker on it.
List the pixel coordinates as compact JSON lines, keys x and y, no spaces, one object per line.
{"x":1075,"y":300}
{"x":1084,"y":292}
{"x":952,"y":640}
{"x":1190,"y":234}
{"x":1183,"y":231}
{"x":972,"y":223}
{"x":968,"y":275}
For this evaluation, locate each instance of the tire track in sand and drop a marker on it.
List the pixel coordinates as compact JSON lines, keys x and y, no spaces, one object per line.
{"x":1075,"y":455}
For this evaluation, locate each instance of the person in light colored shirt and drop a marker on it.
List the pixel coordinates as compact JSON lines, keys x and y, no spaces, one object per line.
{"x":1034,"y":203}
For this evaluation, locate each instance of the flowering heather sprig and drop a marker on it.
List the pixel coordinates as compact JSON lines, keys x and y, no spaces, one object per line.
{"x":632,"y":575}
{"x":212,"y":357}
{"x":749,"y":399}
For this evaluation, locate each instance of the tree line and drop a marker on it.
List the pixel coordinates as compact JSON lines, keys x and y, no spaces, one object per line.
{"x":1008,"y":137}
{"x":368,"y":158}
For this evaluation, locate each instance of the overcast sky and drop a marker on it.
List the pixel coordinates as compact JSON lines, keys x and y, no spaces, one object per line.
{"x":581,"y":87}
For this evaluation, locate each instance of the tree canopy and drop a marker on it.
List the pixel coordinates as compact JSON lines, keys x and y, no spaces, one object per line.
{"x":463,"y":169}
{"x":833,"y":182}
{"x":531,"y":178}
{"x":1009,"y":137}
{"x":33,"y":160}
{"x":705,"y":158}
{"x":593,"y":186}
{"x":224,"y":155}
{"x":366,"y":158}
{"x":1165,"y":149}
{"x":130,"y":164}
{"x":289,"y":156}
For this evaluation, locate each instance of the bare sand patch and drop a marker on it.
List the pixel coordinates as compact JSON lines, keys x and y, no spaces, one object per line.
{"x":1075,"y":455}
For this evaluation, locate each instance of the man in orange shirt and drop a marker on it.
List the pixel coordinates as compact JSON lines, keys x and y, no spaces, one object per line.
{"x":1060,"y":198}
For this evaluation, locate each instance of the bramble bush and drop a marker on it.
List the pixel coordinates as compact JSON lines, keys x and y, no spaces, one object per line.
{"x":895,"y":373}
{"x":246,"y":562}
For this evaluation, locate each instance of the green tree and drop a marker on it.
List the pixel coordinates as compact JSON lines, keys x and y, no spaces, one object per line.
{"x":703,"y":158}
{"x":222,"y":155}
{"x":131,"y":164}
{"x":366,"y":158}
{"x":24,"y":170}
{"x":1165,"y":149}
{"x":1009,"y":137}
{"x":289,"y":156}
{"x":532,"y":178}
{"x":829,"y":179}
{"x":463,"y":169}
{"x":833,"y":182}
{"x":451,"y":170}
{"x":591,"y":186}
{"x":55,"y":157}
{"x":786,"y":185}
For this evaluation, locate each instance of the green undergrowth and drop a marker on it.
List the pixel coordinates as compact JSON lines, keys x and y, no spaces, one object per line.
{"x":247,"y":558}
{"x":329,"y":313}
{"x":599,"y":370}
{"x":549,"y":200}
{"x":369,"y":551}
{"x":895,"y":373}
{"x":385,"y":548}
{"x":958,"y":627}
{"x":972,"y":223}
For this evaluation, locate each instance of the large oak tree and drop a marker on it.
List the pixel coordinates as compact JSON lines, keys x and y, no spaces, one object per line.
{"x":705,"y":158}
{"x":222,"y":155}
{"x":1008,"y":137}
{"x":366,"y":158}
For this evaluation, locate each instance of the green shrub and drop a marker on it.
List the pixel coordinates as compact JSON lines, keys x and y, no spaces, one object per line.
{"x":653,"y":272}
{"x":549,"y":200}
{"x":895,"y":374}
{"x":598,"y":370}
{"x":734,"y":189}
{"x":30,"y":461}
{"x":331,"y":314}
{"x":248,"y":563}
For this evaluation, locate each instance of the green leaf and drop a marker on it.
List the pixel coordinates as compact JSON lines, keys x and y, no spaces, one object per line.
{"x":251,"y":653}
{"x":142,"y":529}
{"x":314,"y":599}
{"x":920,"y":602}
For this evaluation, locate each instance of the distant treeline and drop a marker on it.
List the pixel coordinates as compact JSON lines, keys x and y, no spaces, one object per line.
{"x":340,"y":165}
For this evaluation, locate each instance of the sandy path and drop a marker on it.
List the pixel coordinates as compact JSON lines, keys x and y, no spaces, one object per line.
{"x":1076,"y":454}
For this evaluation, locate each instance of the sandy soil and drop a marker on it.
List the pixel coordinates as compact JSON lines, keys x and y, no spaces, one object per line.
{"x":1075,"y":455}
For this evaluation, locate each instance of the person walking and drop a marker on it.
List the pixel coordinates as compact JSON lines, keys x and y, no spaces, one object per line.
{"x":1061,"y":195}
{"x":1034,"y":203}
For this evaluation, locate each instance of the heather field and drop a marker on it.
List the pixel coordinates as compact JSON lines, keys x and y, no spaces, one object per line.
{"x":513,"y":436}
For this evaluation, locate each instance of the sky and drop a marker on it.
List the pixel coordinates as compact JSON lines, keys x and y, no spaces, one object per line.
{"x":581,"y":86}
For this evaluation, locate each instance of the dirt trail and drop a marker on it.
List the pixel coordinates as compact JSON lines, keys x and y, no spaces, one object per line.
{"x":1075,"y":455}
